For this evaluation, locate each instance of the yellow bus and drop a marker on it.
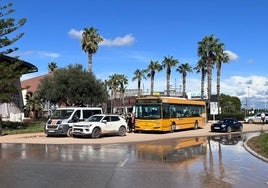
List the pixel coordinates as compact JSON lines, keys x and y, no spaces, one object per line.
{"x":165,"y":114}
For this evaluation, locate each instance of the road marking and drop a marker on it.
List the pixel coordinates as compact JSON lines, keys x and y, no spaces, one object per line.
{"x":122,"y":163}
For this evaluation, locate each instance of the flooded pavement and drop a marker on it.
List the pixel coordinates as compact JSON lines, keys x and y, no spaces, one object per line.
{"x":215,"y":161}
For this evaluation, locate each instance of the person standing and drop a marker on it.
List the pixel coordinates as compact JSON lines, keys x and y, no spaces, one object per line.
{"x":263,"y":118}
{"x":0,"y":124}
{"x":130,"y":122}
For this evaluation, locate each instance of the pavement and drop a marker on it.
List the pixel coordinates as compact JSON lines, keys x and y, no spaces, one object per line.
{"x":41,"y":138}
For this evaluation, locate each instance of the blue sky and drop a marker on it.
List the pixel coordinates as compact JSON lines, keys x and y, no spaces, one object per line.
{"x":138,"y":31}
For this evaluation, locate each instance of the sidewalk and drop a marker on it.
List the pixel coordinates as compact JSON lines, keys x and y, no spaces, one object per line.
{"x":41,"y":138}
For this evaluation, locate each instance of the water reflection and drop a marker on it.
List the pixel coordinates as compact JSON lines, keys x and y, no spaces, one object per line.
{"x":229,"y":139}
{"x":177,"y":150}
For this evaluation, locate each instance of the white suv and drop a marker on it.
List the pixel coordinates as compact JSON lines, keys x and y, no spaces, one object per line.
{"x":100,"y":124}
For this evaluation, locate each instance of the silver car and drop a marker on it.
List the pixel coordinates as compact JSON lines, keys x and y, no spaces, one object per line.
{"x":256,"y":118}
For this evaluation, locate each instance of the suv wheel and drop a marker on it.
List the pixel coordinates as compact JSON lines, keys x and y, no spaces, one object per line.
{"x":96,"y":133}
{"x":122,"y":131}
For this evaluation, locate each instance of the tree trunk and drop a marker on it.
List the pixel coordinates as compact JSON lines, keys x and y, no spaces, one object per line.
{"x":89,"y":62}
{"x":152,"y":85}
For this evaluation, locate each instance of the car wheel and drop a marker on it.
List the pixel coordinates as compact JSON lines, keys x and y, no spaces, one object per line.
{"x":69,"y":132}
{"x":241,"y":128}
{"x":122,"y":131}
{"x":229,"y":129}
{"x":172,"y":128}
{"x":96,"y":133}
{"x":250,"y":121}
{"x":196,"y":125}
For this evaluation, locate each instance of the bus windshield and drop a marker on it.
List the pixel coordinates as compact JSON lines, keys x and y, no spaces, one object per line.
{"x":150,"y":111}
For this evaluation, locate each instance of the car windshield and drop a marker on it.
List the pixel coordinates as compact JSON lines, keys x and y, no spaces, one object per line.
{"x":62,"y":114}
{"x":94,"y":118}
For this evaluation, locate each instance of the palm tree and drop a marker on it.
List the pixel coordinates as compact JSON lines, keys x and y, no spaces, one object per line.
{"x":139,"y":75}
{"x":168,"y":63}
{"x":52,"y":66}
{"x":123,"y":82}
{"x":113,"y":84}
{"x":201,"y":67}
{"x":221,"y":57}
{"x":153,"y":66}
{"x":90,"y":41}
{"x":206,"y":50}
{"x":183,"y":69}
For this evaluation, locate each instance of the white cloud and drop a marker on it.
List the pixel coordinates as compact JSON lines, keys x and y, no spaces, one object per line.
{"x":126,"y":40}
{"x":232,"y":56}
{"x":40,"y":53}
{"x":48,"y":54}
{"x":75,"y":34}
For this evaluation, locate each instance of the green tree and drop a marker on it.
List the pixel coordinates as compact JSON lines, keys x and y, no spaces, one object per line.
{"x":152,"y":68}
{"x":52,"y":66}
{"x":139,"y":75}
{"x":7,"y":26}
{"x":90,"y":43}
{"x":10,"y":71}
{"x":183,"y":69}
{"x":230,"y":104}
{"x":168,"y":63}
{"x":72,"y":86}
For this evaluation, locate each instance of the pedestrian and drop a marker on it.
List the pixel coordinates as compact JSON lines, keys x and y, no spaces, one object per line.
{"x":130,"y":122}
{"x":0,"y":124}
{"x":263,"y":118}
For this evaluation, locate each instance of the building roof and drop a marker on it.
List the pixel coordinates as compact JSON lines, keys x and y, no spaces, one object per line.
{"x":32,"y":83}
{"x":28,"y":67}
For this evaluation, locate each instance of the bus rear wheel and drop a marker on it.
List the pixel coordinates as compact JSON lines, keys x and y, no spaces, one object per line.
{"x":172,"y":128}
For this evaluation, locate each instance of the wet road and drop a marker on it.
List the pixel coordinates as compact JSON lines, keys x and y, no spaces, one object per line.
{"x":218,"y":161}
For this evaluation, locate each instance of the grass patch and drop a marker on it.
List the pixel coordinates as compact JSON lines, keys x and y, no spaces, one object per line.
{"x":9,"y":128}
{"x":259,"y":144}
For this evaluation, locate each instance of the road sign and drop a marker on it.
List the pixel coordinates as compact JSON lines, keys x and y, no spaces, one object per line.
{"x":214,"y":108}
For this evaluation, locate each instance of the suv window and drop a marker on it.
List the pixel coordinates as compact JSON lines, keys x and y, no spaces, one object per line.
{"x":107,"y":118}
{"x":115,"y":118}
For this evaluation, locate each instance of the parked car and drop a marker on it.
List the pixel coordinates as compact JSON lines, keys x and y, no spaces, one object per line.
{"x":256,"y":118}
{"x":62,"y":119}
{"x":100,"y":124}
{"x":227,"y":125}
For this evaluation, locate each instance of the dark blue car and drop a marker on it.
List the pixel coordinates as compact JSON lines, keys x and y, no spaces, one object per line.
{"x":227,"y":125}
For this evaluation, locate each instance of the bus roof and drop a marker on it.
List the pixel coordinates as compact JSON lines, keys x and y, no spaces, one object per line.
{"x":166,"y":99}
